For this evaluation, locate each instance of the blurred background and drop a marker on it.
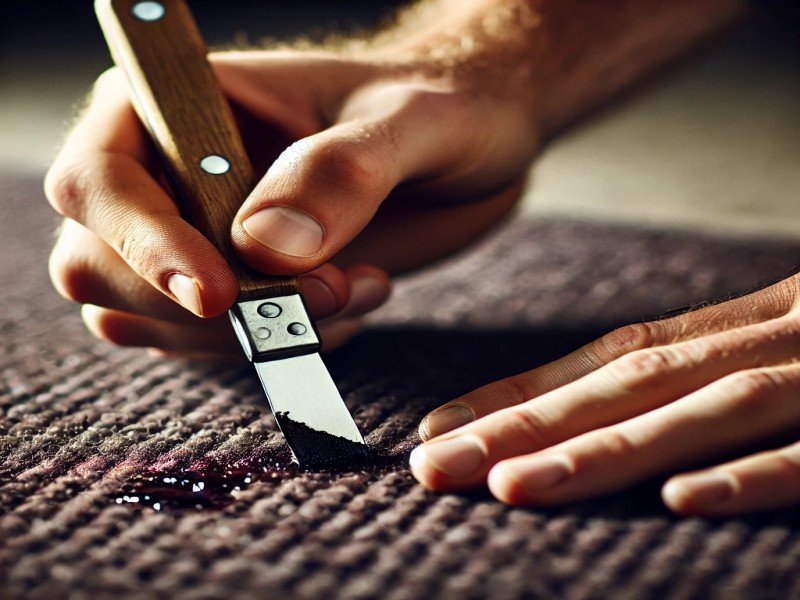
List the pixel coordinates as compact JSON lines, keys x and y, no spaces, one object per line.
{"x":714,"y":144}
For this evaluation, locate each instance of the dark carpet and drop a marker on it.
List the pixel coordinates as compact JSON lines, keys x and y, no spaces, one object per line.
{"x":87,"y":431}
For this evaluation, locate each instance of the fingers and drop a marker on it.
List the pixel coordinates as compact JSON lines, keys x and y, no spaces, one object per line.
{"x":287,"y":88}
{"x":324,"y":189}
{"x":733,"y":412}
{"x":632,"y":385}
{"x":367,"y":288}
{"x":508,"y":392}
{"x":764,"y":481}
{"x":85,"y":269}
{"x":100,"y":179}
{"x":125,"y":329}
{"x":770,"y":303}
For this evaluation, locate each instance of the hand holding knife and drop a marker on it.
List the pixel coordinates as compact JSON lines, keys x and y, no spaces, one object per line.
{"x":176,"y":95}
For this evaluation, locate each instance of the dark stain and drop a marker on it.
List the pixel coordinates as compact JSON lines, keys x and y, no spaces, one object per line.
{"x":208,"y":485}
{"x":212,"y":484}
{"x":319,"y":450}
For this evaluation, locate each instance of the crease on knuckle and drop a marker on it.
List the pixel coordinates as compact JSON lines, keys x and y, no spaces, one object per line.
{"x":140,"y":249}
{"x":617,"y":443}
{"x":783,"y":296}
{"x":79,"y":189}
{"x":350,"y":165}
{"x":438,"y":102}
{"x":793,"y":284}
{"x":786,"y":328}
{"x":527,"y":421}
{"x":641,"y":371}
{"x":514,"y":390}
{"x":64,"y":189}
{"x":789,"y":467}
{"x":131,"y":249}
{"x":751,"y":388}
{"x":619,"y":342}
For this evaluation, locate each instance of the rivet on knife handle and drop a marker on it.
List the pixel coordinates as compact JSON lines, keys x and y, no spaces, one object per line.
{"x":174,"y":90}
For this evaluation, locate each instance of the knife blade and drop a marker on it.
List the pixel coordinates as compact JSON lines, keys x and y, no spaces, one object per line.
{"x":158,"y":47}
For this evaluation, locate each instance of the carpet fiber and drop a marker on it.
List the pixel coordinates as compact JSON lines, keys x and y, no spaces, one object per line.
{"x":84,"y":424}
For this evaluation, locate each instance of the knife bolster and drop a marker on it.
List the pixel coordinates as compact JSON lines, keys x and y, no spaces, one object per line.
{"x":274,"y":328}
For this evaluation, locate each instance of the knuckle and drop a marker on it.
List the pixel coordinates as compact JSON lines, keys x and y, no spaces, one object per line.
{"x":642,"y":370}
{"x":63,"y":187}
{"x":787,"y":327}
{"x":617,"y":443}
{"x":527,"y":421}
{"x":784,"y":295}
{"x":793,"y":287}
{"x":754,"y":385}
{"x":139,"y":248}
{"x":78,"y":189}
{"x":512,"y":390}
{"x":789,"y":468}
{"x":619,"y":342}
{"x":133,"y":250}
{"x":434,"y":101}
{"x":70,"y":274}
{"x":348,"y":164}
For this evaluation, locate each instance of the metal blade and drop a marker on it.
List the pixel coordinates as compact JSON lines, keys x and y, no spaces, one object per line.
{"x":311,"y":413}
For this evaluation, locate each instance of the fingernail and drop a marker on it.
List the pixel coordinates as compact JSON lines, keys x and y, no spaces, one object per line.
{"x":701,"y":490}
{"x":286,"y":230}
{"x":319,"y":296}
{"x":365,"y":294}
{"x":537,"y":474}
{"x":445,"y":419}
{"x":186,"y":290}
{"x":458,"y":458}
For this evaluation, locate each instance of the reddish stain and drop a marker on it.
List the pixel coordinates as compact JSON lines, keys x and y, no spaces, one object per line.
{"x":207,"y":485}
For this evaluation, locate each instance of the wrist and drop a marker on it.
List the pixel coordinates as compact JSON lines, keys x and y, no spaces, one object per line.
{"x":557,"y":59}
{"x":485,"y":47}
{"x":590,"y":51}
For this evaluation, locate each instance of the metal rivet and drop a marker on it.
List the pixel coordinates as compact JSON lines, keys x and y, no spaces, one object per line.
{"x":148,"y":11}
{"x":215,"y":165}
{"x":262,"y":333}
{"x":297,"y":329}
{"x":269,"y":310}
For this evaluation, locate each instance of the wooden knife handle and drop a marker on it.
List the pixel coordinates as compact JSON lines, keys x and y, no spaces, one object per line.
{"x":179,"y":101}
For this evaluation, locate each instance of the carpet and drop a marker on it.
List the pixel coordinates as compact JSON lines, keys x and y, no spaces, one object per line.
{"x":87,"y":431}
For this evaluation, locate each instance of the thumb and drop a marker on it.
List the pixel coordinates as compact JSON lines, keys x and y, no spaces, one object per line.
{"x":324,"y":189}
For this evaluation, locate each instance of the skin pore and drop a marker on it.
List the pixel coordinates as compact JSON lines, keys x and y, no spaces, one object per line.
{"x":383,"y":154}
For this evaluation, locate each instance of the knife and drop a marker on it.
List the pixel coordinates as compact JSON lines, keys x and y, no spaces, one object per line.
{"x":177,"y":97}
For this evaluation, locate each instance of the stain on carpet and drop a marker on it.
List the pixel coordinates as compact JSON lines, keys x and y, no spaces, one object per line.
{"x":83,"y":425}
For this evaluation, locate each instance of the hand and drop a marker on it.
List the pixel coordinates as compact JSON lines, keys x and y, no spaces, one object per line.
{"x":395,"y":152}
{"x":355,"y":130}
{"x":642,"y":401}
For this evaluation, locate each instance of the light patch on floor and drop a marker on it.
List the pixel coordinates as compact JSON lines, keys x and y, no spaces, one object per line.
{"x":714,"y":146}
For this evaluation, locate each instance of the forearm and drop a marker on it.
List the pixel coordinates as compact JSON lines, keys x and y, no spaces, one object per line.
{"x":564,"y":57}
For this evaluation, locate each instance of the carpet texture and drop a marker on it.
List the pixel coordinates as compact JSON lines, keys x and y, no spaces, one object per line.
{"x":81,"y":421}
